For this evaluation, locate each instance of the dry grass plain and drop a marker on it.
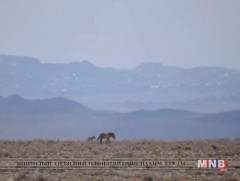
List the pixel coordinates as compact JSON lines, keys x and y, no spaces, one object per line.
{"x":189,"y":150}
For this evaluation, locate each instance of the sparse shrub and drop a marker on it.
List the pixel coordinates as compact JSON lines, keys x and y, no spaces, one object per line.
{"x":198,"y":172}
{"x":90,"y":148}
{"x":41,"y":178}
{"x":229,"y":154}
{"x":21,"y":176}
{"x":147,"y":178}
{"x":188,"y":148}
{"x":233,"y":179}
{"x":214,"y":147}
{"x":176,"y":148}
{"x":130,"y":155}
{"x":95,"y":152}
{"x":210,"y":155}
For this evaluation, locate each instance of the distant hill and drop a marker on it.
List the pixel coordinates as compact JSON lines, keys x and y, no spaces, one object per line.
{"x":60,"y":118}
{"x":149,"y":86}
{"x":15,"y":105}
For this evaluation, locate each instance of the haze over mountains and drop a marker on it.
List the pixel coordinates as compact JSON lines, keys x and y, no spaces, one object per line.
{"x":149,"y":86}
{"x":60,"y":118}
{"x":160,"y":96}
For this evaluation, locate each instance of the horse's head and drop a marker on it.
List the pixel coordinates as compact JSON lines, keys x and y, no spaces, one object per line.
{"x":112,"y":135}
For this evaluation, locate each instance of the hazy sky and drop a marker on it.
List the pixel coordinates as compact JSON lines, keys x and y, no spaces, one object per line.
{"x":123,"y":33}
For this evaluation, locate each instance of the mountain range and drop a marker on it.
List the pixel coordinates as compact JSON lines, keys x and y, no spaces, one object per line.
{"x":61,"y":118}
{"x":149,"y":86}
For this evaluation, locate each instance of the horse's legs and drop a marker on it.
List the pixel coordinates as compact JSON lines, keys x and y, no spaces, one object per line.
{"x":108,"y":140}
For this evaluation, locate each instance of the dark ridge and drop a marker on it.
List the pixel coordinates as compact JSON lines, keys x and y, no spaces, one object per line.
{"x":16,"y":104}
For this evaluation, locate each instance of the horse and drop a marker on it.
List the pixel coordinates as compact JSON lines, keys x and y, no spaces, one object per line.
{"x":106,"y":136}
{"x":91,"y":138}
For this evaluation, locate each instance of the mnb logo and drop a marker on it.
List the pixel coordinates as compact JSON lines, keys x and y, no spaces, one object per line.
{"x":221,"y":164}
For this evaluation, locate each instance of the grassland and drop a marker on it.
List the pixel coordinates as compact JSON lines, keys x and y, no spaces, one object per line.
{"x":149,"y":149}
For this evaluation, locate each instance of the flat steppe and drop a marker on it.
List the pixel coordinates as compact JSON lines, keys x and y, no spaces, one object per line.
{"x":145,"y":149}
